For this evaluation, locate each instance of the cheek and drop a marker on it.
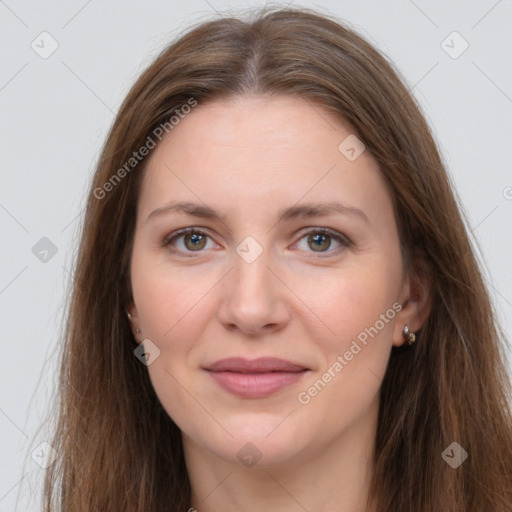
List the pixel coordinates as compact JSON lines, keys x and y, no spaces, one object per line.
{"x":355,"y":337}
{"x":171,"y":310}
{"x":169,"y":300}
{"x":350,"y":303}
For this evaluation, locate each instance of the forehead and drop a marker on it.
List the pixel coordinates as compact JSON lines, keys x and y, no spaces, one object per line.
{"x":286,"y":125}
{"x":258,"y":151}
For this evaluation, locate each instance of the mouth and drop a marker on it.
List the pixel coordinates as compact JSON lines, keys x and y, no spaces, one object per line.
{"x":256,"y":378}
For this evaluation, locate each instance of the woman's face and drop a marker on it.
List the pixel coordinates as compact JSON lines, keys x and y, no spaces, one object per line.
{"x":273,"y":337}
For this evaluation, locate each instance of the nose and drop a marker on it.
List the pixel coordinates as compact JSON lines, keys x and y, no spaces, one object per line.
{"x":254,"y":299}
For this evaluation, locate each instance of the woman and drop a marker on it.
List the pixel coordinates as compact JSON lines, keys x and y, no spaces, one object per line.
{"x":275,"y":302}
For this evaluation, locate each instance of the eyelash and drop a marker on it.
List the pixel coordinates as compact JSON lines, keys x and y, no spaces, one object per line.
{"x":342,"y":239}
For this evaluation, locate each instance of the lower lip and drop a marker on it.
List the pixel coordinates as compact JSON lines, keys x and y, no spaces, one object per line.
{"x":255,"y":385}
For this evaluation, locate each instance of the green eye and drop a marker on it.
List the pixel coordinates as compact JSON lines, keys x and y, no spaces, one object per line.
{"x":194,"y":240}
{"x":318,"y":240}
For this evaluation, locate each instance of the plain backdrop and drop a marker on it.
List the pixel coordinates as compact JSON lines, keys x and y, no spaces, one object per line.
{"x":58,"y":107}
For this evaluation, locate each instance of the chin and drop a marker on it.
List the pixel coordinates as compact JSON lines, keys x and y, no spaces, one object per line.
{"x":262,"y":439}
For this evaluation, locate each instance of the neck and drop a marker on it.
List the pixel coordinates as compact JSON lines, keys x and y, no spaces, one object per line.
{"x":337,"y":478}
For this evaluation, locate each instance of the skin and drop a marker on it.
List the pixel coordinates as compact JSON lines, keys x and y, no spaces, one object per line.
{"x":248,"y":158}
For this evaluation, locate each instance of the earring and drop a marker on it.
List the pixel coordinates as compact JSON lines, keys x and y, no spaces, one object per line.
{"x":409,"y":336}
{"x":131,"y":320}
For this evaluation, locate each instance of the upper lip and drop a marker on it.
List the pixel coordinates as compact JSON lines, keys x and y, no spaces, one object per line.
{"x":260,"y":365}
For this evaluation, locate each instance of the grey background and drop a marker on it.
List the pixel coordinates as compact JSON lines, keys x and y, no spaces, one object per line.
{"x":56,"y":113}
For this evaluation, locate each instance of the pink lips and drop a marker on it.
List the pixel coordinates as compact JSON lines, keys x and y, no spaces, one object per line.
{"x":257,"y":378}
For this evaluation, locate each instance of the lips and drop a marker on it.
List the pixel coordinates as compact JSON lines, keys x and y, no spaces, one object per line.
{"x":261,"y":365}
{"x":255,"y":378}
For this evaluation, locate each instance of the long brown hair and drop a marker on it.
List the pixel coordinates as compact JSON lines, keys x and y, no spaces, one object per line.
{"x":117,"y":447}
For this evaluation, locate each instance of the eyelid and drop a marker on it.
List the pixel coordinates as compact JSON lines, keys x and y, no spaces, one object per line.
{"x":166,"y":242}
{"x":340,"y":237}
{"x":327,"y":231}
{"x":180,"y":232}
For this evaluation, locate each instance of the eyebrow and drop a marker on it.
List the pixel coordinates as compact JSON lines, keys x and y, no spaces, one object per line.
{"x":290,"y":213}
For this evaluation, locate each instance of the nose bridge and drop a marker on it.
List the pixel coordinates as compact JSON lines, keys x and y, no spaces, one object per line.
{"x":251,"y":277}
{"x":252,"y":274}
{"x":252,"y":298}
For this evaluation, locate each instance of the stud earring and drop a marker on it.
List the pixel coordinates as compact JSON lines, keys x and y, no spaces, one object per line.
{"x":409,"y":336}
{"x":131,"y":320}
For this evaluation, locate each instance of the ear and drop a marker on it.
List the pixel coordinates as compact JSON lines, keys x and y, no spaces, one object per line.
{"x":133,"y":319}
{"x":415,"y":298}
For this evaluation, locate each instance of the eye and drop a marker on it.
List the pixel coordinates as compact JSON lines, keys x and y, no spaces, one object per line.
{"x":194,"y":240}
{"x":320,"y":240}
